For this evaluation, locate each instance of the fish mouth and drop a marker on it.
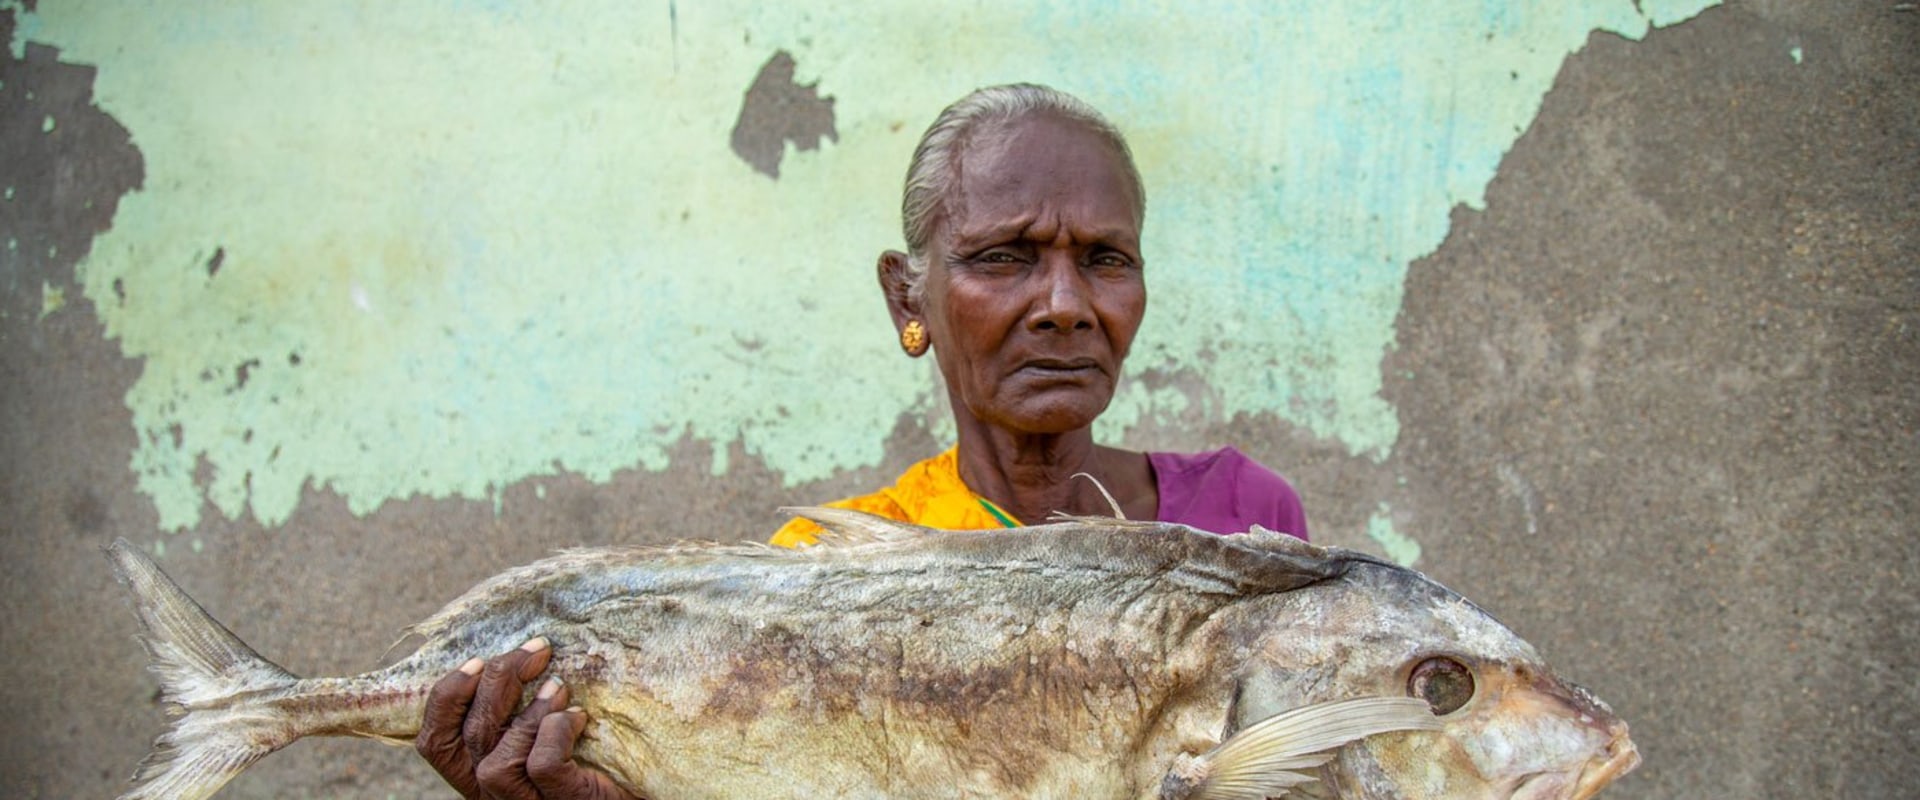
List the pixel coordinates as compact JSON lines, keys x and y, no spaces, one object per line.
{"x":1621,"y":758}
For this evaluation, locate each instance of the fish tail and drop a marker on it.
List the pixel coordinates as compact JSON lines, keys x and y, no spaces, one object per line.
{"x":213,"y":682}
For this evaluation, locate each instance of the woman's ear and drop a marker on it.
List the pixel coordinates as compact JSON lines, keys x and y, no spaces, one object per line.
{"x":895,"y":284}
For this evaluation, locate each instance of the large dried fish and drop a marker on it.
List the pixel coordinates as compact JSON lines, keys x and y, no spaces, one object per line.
{"x":1089,"y":658}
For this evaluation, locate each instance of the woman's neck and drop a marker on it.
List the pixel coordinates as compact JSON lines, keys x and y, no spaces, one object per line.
{"x":1031,"y":476}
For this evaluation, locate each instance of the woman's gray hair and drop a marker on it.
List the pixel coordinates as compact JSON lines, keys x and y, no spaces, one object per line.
{"x":935,"y":170}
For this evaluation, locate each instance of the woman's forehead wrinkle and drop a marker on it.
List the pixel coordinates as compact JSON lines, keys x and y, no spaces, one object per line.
{"x":981,"y":214}
{"x":982,"y":231}
{"x":1047,"y":229}
{"x":1043,"y":225}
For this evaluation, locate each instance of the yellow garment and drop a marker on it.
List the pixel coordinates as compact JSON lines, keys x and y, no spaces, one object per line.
{"x":929,"y":493}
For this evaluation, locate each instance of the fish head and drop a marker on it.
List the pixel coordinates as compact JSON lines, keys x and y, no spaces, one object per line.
{"x":1518,"y":733}
{"x":1509,"y":726}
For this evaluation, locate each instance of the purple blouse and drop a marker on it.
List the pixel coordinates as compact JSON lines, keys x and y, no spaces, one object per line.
{"x":1225,"y":492}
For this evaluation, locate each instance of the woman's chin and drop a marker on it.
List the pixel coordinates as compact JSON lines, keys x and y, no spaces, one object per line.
{"x":1051,"y":418}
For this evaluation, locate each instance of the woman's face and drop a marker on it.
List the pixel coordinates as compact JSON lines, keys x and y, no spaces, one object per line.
{"x":1034,"y":286}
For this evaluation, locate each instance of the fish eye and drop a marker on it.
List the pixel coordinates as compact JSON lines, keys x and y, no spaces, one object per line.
{"x":1446,"y":684}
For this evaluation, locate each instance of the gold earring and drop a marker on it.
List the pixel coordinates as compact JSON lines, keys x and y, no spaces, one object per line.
{"x":913,"y":338}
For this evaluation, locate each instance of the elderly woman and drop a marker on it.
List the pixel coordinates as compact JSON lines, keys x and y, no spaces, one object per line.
{"x":1024,"y":275}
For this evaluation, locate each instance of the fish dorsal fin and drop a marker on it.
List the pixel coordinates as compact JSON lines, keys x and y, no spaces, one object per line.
{"x":1257,"y":563}
{"x":845,"y":527}
{"x":1270,"y":757}
{"x":1111,"y":523}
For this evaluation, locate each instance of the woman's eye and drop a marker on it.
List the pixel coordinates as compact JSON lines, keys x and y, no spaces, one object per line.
{"x":1444,"y":683}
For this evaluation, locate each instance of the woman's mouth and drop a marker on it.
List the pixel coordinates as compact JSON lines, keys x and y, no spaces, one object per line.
{"x":1060,"y":366}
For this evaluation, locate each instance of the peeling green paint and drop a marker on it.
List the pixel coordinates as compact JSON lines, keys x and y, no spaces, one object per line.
{"x":1399,"y":548}
{"x":441,"y":249}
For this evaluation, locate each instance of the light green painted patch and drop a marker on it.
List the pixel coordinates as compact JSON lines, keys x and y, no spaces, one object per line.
{"x":1662,"y":13}
{"x":1795,"y":52}
{"x":46,"y":125}
{"x":1399,"y":548}
{"x":52,"y":298}
{"x":461,"y":246}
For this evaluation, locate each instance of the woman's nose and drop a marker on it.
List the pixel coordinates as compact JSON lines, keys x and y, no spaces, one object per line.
{"x":1065,"y":301}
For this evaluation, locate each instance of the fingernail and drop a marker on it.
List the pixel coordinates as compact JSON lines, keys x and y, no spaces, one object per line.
{"x":548,"y":689}
{"x":535,"y":644}
{"x":473,"y":666}
{"x":576,"y":710}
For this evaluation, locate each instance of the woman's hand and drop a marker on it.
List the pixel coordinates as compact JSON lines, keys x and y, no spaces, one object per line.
{"x":473,"y":738}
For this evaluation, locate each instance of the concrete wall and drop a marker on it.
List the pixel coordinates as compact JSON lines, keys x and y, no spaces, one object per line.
{"x":1602,"y":313}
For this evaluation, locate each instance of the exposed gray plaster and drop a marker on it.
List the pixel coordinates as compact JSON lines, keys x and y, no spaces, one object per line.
{"x":776,"y":111}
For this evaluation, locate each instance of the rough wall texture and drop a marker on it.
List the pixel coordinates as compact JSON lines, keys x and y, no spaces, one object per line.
{"x":1659,"y":399}
{"x":1648,"y":395}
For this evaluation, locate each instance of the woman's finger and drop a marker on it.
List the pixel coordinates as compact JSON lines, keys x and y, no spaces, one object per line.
{"x":439,"y":740}
{"x":498,"y":695}
{"x":503,"y":773}
{"x":551,"y":767}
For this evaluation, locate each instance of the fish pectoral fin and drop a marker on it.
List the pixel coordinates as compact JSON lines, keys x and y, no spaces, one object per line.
{"x":1270,"y":757}
{"x":847,"y":527}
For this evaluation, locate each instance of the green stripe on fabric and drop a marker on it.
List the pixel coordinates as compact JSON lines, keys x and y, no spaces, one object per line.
{"x":998,"y":514}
